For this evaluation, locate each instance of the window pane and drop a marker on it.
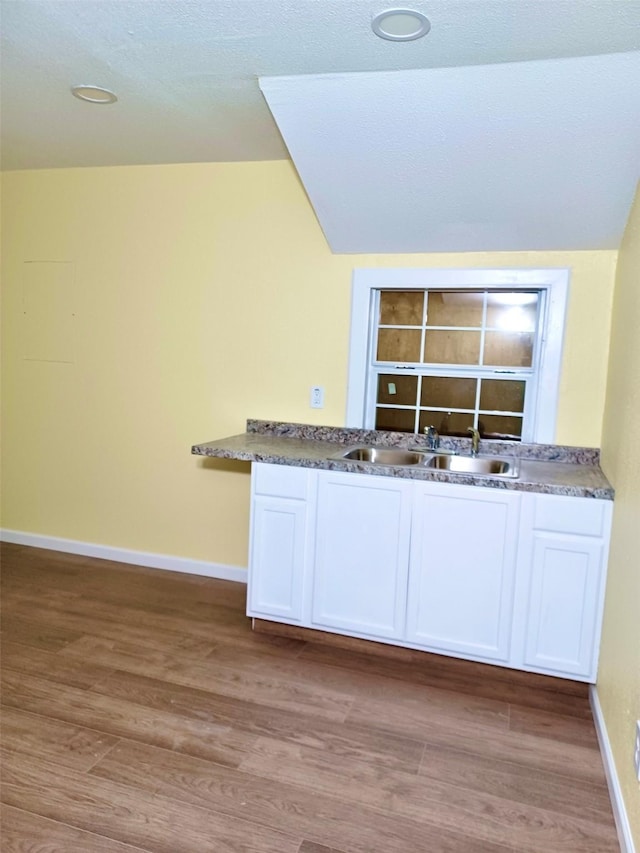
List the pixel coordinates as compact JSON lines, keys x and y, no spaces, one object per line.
{"x":451,"y":308}
{"x":401,"y":308}
{"x":398,"y":390}
{"x":398,"y":345}
{"x":512,"y":312}
{"x":498,"y":426}
{"x":448,"y":392}
{"x":452,"y":347}
{"x":508,"y":349}
{"x":502,"y":395}
{"x":447,"y":423}
{"x":396,"y":420}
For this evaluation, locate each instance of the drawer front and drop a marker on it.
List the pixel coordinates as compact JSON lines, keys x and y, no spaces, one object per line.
{"x":281,"y":481}
{"x":581,"y":516}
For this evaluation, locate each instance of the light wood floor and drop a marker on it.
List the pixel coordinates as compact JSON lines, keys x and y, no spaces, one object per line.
{"x":141,"y":713}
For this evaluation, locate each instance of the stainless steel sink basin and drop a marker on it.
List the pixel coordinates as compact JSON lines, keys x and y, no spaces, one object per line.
{"x":488,"y":466}
{"x":383,"y":456}
{"x":493,"y":466}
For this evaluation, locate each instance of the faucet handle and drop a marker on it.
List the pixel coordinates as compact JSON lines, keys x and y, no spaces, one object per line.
{"x":433,"y":438}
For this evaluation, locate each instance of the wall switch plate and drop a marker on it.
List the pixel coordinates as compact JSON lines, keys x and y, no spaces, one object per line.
{"x":636,"y":753}
{"x":317,"y":397}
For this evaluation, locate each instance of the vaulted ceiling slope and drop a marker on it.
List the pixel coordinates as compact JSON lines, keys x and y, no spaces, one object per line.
{"x":186,"y":75}
{"x":516,"y":156}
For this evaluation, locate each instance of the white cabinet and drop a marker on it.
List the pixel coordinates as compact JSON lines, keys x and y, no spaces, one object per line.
{"x":279,"y":541}
{"x":494,"y":575}
{"x":461,"y":578}
{"x":563,"y":555}
{"x":361,"y":554}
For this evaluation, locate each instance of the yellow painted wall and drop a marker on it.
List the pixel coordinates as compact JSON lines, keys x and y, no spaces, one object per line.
{"x":203,"y":294}
{"x":619,"y":673}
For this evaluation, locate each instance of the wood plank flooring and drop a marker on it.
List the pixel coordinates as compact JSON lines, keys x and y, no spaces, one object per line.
{"x":141,"y":713}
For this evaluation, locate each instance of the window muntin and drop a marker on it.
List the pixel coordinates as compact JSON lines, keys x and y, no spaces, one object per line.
{"x":455,"y":359}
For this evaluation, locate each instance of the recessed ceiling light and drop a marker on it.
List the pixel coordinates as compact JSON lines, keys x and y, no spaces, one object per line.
{"x":400,"y":25}
{"x":94,"y":94}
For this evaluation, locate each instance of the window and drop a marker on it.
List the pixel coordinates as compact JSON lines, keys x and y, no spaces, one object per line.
{"x":457,"y":348}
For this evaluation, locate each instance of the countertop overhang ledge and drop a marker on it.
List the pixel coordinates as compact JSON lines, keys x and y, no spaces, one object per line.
{"x":544,"y":468}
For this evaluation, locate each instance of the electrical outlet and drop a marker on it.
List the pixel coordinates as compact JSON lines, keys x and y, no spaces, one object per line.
{"x":636,"y":753}
{"x":317,"y":397}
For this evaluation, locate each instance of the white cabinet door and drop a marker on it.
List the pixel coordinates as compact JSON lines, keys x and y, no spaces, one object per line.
{"x":277,"y":558}
{"x":278,"y":550}
{"x":361,"y":554}
{"x":462,"y":570}
{"x":563,"y":558}
{"x":563,"y":604}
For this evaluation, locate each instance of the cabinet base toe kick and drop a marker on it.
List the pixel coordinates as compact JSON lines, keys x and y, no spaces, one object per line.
{"x":427,"y":665}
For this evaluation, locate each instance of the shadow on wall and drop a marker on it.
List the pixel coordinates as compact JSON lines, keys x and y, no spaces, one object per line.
{"x":234,"y":466}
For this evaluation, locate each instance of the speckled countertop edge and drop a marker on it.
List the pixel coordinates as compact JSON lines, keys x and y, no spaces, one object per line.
{"x":351,"y":435}
{"x":547,"y":469}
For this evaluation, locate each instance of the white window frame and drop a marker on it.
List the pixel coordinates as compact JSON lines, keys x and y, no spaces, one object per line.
{"x":540,"y":425}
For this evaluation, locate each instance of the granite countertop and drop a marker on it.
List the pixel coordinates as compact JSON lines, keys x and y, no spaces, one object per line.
{"x":546,"y":468}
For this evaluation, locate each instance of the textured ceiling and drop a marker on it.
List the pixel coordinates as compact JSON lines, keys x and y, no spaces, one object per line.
{"x":527,"y":155}
{"x":186,"y":71}
{"x":449,"y":160}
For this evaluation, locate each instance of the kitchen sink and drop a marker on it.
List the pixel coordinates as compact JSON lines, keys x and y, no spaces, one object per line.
{"x":488,"y":466}
{"x":493,"y":466}
{"x":383,"y":456}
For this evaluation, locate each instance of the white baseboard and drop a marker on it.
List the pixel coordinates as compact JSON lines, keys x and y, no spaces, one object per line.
{"x":615,"y":792}
{"x":123,"y":555}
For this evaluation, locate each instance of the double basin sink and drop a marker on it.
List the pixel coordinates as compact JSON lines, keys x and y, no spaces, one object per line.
{"x":493,"y":466}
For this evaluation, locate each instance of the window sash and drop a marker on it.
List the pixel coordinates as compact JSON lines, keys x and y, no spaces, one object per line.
{"x":526,"y":377}
{"x":484,"y":327}
{"x":476,"y":371}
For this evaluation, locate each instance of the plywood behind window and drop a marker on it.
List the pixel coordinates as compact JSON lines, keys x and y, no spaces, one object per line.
{"x":502,"y":395}
{"x":397,"y":390}
{"x":454,"y":347}
{"x":508,"y":349}
{"x":454,"y":309}
{"x":500,"y":426}
{"x":448,"y":392}
{"x":399,"y":345}
{"x":447,"y":423}
{"x":396,"y":420}
{"x":401,"y":308}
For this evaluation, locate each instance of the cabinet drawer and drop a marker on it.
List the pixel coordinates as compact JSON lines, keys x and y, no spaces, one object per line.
{"x":281,"y":481}
{"x":582,"y":516}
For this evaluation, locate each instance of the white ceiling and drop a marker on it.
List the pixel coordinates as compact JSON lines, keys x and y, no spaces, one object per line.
{"x":186,"y":71}
{"x":533,"y":156}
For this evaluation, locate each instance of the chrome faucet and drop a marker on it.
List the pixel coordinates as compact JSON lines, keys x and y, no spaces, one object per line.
{"x":475,"y":440}
{"x":433,"y":438}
